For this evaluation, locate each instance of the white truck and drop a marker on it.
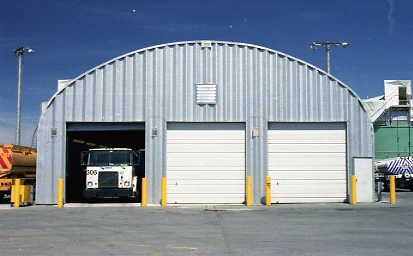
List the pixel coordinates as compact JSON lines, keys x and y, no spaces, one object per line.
{"x":111,"y":173}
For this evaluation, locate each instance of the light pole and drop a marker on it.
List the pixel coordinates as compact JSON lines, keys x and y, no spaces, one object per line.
{"x":328,"y":45}
{"x":19,"y":53}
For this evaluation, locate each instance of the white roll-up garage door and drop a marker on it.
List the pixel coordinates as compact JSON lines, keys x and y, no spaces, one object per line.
{"x":307,"y":162}
{"x":205,"y":163}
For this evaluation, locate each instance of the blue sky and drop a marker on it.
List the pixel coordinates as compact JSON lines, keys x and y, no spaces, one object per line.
{"x":70,"y":37}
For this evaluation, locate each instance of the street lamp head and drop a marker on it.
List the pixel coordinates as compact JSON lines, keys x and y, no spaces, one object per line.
{"x":19,"y":51}
{"x":327,"y":45}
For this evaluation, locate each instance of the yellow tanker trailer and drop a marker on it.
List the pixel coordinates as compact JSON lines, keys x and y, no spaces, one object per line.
{"x":16,"y":162}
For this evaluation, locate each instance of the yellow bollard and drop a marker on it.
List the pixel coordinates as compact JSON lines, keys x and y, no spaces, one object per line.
{"x":249,"y":191}
{"x":16,"y":193}
{"x":12,"y":192}
{"x":353,"y":190}
{"x":59,"y":193}
{"x":268,"y":190}
{"x":392,"y":189}
{"x":144,"y":193}
{"x":163,"y":191}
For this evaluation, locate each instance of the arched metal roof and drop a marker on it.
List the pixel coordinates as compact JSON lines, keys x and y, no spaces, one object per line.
{"x":212,"y":42}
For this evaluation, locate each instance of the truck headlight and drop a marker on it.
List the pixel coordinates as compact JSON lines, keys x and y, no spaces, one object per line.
{"x":126,"y":184}
{"x":90,"y":184}
{"x":407,"y":175}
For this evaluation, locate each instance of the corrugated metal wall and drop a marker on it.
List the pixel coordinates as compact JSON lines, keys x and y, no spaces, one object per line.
{"x":157,"y":85}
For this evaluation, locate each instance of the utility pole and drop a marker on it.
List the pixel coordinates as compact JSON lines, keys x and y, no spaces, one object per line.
{"x":19,"y":53}
{"x":328,"y":45}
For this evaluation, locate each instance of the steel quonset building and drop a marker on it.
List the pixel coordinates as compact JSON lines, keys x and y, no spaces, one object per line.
{"x":205,"y":115}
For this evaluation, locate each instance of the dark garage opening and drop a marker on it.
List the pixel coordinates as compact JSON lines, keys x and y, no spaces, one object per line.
{"x":83,"y":137}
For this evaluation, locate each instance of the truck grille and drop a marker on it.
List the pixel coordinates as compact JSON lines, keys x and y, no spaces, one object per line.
{"x":108,"y":179}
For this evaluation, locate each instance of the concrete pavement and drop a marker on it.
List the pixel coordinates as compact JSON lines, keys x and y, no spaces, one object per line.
{"x":128,"y":229}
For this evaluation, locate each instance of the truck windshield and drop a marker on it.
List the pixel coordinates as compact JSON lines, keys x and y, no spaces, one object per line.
{"x":109,"y":157}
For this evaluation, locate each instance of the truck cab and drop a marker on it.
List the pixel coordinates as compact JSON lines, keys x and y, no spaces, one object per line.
{"x":111,"y":173}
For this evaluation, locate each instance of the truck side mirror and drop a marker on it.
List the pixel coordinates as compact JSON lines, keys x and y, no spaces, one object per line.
{"x":83,"y":157}
{"x":136,"y":157}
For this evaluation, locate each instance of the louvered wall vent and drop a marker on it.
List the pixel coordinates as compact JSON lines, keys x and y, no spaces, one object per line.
{"x":206,"y":94}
